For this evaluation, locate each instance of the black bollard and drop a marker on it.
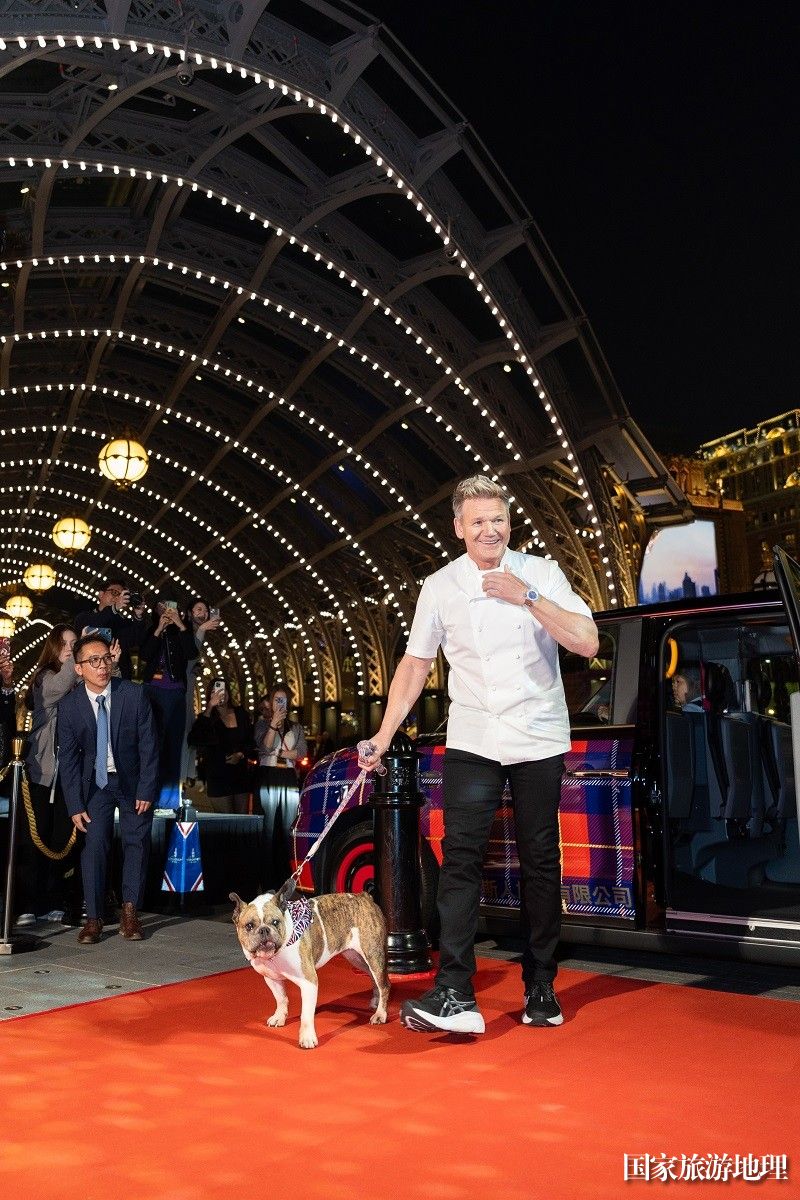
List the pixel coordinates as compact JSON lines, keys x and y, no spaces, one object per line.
{"x":396,"y":802}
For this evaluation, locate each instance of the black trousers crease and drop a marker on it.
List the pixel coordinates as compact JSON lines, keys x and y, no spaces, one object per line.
{"x":473,"y":787}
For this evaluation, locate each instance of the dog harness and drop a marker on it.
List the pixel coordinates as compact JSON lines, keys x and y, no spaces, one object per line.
{"x":302,"y":914}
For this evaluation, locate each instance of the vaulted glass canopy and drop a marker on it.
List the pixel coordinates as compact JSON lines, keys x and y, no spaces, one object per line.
{"x":258,"y":239}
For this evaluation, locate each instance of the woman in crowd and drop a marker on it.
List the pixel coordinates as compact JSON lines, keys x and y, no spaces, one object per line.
{"x":46,"y":885}
{"x":280,"y":742}
{"x":165,"y":651}
{"x":199,"y":619}
{"x":223,"y":733}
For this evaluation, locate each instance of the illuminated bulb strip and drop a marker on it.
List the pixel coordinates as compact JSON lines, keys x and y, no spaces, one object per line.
{"x":29,"y":647}
{"x":330,"y":335}
{"x":255,"y":457}
{"x":160,"y":566}
{"x":257,"y":523}
{"x":76,"y":585}
{"x":23,"y":679}
{"x":184,"y":550}
{"x":390,"y":173}
{"x":280,"y":307}
{"x":157,"y":563}
{"x":258,"y":459}
{"x":294,"y":314}
{"x":112,"y":563}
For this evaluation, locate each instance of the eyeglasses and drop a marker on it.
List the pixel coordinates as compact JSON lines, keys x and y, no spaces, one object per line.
{"x":94,"y":660}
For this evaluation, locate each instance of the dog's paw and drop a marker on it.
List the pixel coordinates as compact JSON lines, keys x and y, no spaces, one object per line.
{"x":379,"y":1018}
{"x":308,"y":1039}
{"x":277,"y":1021}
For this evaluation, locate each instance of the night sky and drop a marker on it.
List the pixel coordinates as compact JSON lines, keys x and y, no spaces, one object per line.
{"x":655,"y":145}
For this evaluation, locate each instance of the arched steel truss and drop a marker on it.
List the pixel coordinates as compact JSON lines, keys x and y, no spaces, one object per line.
{"x":274,"y":251}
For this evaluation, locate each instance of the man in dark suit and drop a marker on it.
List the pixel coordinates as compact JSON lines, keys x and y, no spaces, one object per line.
{"x":108,"y":759}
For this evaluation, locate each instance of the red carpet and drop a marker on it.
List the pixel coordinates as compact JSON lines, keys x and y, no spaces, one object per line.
{"x":182,"y":1093}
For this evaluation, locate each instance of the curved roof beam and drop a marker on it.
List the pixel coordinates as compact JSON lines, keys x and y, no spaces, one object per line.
{"x":311,"y":101}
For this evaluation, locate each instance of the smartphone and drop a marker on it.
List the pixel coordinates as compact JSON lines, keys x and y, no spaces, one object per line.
{"x":219,"y":685}
{"x":170,"y":604}
{"x":102,"y":632}
{"x":280,"y":702}
{"x":213,"y":614}
{"x":5,"y":649}
{"x":136,"y":600}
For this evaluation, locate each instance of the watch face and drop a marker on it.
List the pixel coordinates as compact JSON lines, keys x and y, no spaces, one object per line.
{"x":532,"y":594}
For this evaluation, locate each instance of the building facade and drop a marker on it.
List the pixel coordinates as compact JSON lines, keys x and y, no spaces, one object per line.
{"x":760,"y":467}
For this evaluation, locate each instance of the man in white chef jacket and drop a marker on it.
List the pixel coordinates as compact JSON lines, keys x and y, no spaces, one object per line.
{"x":499,"y":617}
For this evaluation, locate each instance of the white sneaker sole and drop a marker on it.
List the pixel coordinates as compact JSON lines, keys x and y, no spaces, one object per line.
{"x":424,"y":1022}
{"x":526,"y":1020}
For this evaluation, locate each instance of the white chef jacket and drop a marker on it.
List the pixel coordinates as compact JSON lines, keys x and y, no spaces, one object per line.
{"x":506,"y":696}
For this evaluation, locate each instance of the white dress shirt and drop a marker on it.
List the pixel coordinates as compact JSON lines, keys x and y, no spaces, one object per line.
{"x":506,"y":696}
{"x":93,"y":698}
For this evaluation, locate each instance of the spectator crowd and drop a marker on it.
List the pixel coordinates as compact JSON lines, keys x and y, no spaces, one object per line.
{"x":113,"y":732}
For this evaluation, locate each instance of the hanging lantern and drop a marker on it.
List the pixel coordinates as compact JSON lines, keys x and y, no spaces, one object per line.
{"x":71,"y":533}
{"x":6,"y":627}
{"x":123,"y":461}
{"x":19,"y":607}
{"x":39,"y":577}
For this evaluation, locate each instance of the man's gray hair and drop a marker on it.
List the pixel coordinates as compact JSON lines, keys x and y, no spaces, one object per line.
{"x":692,"y":677}
{"x":477,"y":487}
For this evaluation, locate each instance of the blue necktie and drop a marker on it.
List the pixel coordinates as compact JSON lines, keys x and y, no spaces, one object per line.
{"x":101,"y":761}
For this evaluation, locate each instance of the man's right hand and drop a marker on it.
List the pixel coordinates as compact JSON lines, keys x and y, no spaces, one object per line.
{"x":81,"y":820}
{"x":370,"y":752}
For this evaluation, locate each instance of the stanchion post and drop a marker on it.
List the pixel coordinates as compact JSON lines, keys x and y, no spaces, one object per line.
{"x":396,"y":803}
{"x":9,"y":944}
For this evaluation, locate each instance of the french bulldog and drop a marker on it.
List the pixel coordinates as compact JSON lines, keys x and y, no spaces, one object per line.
{"x":285,"y":939}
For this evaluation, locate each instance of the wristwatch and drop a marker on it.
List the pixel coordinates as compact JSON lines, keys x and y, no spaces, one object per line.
{"x":531,"y":595}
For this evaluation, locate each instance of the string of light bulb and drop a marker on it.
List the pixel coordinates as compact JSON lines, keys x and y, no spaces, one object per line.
{"x":270,"y":81}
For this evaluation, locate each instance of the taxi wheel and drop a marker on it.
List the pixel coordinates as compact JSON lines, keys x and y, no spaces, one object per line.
{"x":350,"y":867}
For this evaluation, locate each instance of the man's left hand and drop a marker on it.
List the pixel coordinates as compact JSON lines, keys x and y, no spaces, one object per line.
{"x":142,"y":806}
{"x":504,"y":585}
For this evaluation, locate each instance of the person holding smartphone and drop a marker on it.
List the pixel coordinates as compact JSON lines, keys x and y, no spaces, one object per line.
{"x":223,"y":733}
{"x":280,"y":742}
{"x":201,"y":620}
{"x":115,"y":617}
{"x":165,"y":652}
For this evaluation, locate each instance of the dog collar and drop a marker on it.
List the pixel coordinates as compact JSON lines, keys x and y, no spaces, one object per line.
{"x":301,"y":914}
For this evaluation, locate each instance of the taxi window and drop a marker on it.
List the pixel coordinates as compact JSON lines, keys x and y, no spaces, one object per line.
{"x":589,"y":682}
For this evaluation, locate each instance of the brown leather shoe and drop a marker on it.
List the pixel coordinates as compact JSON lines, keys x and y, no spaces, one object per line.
{"x":90,"y":934}
{"x":129,"y":924}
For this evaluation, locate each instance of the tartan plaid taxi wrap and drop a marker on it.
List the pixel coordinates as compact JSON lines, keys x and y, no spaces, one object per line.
{"x":301,"y":913}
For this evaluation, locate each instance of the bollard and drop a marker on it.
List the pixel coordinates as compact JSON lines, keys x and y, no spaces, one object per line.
{"x":396,"y":804}
{"x":9,"y":944}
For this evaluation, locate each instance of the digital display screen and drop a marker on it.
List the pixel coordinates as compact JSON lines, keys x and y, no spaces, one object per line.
{"x":680,"y":563}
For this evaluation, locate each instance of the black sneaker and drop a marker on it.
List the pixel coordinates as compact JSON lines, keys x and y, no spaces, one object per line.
{"x":541,"y":1006}
{"x":443,"y":1008}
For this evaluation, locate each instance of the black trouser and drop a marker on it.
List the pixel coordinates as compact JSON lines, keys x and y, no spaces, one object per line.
{"x":472,"y":790}
{"x":135,"y":830}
